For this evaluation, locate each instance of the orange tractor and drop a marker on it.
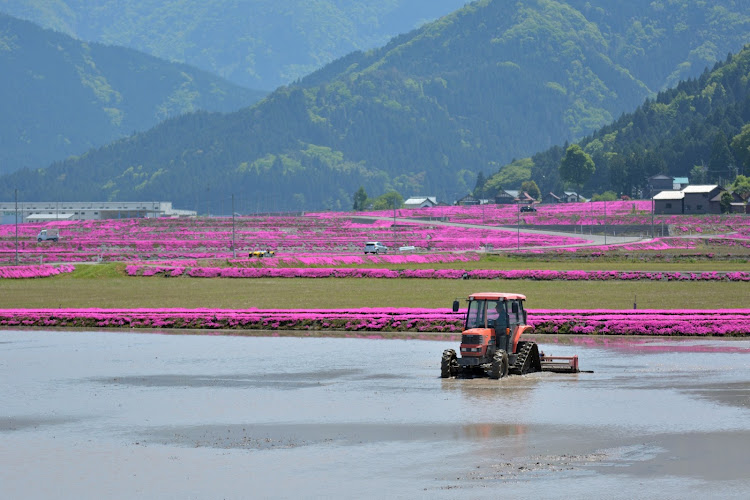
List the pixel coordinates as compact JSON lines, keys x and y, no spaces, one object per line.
{"x":491,"y":341}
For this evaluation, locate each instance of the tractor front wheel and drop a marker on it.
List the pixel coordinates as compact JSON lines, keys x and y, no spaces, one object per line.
{"x":499,"y":368}
{"x":448,"y":364}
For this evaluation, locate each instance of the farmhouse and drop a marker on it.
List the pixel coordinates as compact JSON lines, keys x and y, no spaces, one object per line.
{"x":702,"y":199}
{"x":680,"y":183}
{"x":551,"y":198}
{"x":468,"y":200}
{"x":669,"y":202}
{"x":699,"y":199}
{"x":508,"y":196}
{"x":43,"y":211}
{"x":658,"y":183}
{"x":421,"y":202}
{"x":571,"y":197}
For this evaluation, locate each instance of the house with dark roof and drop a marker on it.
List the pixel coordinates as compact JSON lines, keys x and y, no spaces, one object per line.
{"x":506,"y":197}
{"x":509,"y":196}
{"x":658,"y":183}
{"x":572,"y":197}
{"x":551,"y":198}
{"x":468,"y":200}
{"x":669,"y":202}
{"x":702,"y":199}
{"x":692,"y":200}
{"x":421,"y":202}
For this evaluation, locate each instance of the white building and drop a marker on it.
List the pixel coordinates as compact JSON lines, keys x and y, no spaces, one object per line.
{"x":421,"y":202}
{"x":44,"y":211}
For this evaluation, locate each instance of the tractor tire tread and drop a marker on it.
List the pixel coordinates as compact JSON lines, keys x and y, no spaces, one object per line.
{"x":527,"y":360}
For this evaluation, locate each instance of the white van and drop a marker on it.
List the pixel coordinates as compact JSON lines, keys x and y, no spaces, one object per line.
{"x":375,"y":247}
{"x":48,"y":234}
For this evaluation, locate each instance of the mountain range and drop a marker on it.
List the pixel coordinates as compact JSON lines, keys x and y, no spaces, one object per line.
{"x":258,"y":44}
{"x":62,"y":97}
{"x":493,"y":82}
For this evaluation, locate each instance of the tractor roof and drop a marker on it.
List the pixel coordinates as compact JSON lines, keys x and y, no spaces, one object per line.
{"x":496,"y":296}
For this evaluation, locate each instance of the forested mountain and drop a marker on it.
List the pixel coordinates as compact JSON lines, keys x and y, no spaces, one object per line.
{"x":258,"y":44}
{"x":700,"y":129}
{"x":424,"y":114}
{"x":61,"y":97}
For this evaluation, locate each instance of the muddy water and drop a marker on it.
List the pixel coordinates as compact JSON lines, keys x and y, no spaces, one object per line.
{"x":121,"y":415}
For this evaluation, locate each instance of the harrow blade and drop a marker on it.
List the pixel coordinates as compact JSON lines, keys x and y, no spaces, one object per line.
{"x":560,"y":364}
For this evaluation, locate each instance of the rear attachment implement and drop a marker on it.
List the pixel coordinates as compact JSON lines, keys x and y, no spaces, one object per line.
{"x":559,"y":364}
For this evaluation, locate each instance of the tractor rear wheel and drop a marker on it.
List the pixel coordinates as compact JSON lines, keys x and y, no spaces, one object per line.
{"x":448,"y":364}
{"x":499,"y":367}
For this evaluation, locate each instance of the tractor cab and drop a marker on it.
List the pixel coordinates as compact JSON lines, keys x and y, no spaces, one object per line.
{"x":494,"y":322}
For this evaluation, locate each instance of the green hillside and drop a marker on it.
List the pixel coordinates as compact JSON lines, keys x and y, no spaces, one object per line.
{"x":258,"y":44}
{"x":61,"y":97}
{"x":699,"y":129}
{"x":424,"y":114}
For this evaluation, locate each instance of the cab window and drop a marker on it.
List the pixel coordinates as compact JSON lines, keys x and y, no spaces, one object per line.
{"x":475,"y":316}
{"x":516,"y":312}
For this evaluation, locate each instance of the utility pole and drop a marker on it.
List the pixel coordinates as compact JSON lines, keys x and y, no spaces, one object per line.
{"x":393,"y":227}
{"x":16,"y":226}
{"x":518,"y":226}
{"x":605,"y":222}
{"x":653,"y":209}
{"x":234,"y":250}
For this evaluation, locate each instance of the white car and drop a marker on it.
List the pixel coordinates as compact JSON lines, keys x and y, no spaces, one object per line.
{"x":375,"y":247}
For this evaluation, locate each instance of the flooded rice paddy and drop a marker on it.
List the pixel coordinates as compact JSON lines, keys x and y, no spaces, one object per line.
{"x":134,"y":415}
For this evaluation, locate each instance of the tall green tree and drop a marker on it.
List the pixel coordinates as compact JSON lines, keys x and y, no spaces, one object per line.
{"x":576,"y":167}
{"x":699,"y":174}
{"x":726,"y":202}
{"x":741,"y":186}
{"x":605,"y":196}
{"x":722,"y":161}
{"x":389,"y":200}
{"x":618,"y":174}
{"x":531,"y":188}
{"x":360,"y":199}
{"x":479,"y":186}
{"x":741,"y":148}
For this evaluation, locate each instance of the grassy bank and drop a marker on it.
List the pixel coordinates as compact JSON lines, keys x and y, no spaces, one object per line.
{"x":105,"y":286}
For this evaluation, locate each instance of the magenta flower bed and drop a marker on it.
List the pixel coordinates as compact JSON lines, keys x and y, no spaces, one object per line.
{"x":729,"y":322}
{"x":523,"y":274}
{"x":578,"y":322}
{"x":379,"y":320}
{"x":42,"y":271}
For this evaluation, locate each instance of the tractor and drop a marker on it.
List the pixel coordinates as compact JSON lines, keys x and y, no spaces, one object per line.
{"x":491,"y":341}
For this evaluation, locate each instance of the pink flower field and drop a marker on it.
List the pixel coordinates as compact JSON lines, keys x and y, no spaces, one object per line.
{"x":341,"y":235}
{"x":525,"y":274}
{"x":389,"y":320}
{"x":330,"y":245}
{"x":41,"y":271}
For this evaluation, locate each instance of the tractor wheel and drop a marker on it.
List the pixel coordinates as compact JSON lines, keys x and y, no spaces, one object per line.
{"x":448,"y":364}
{"x":499,"y":368}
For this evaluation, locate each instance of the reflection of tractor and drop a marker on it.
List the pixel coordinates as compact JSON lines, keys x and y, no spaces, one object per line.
{"x":491,"y":343}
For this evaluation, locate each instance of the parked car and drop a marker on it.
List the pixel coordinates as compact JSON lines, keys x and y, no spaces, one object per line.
{"x":261,"y":253}
{"x":375,"y":247}
{"x":528,"y":208}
